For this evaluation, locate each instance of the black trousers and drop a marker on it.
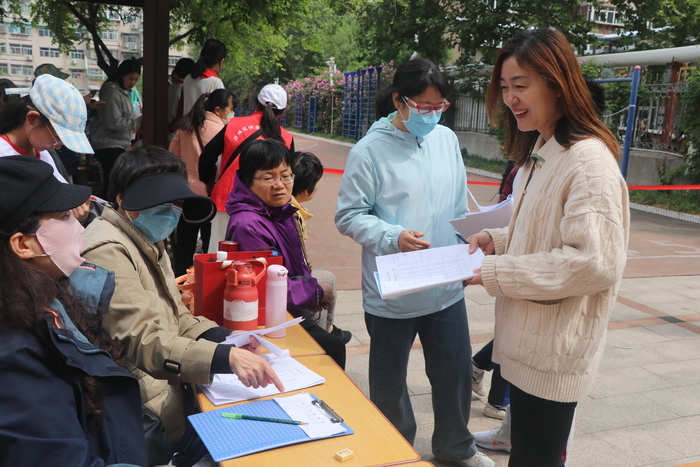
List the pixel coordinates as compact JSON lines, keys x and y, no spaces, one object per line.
{"x":539,"y":429}
{"x":332,"y":345}
{"x":186,"y":244}
{"x":107,"y":157}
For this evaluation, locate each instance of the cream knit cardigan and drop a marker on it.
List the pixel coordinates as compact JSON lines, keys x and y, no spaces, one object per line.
{"x":557,"y":268}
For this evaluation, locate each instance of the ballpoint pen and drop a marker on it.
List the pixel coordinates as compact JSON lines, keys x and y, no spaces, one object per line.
{"x":261,"y":419}
{"x":461,"y":239}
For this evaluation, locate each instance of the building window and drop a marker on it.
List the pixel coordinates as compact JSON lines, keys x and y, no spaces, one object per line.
{"x":77,"y":54}
{"x":129,"y":55}
{"x":130,"y":38}
{"x":44,"y":32}
{"x":3,"y":68}
{"x":21,"y":49}
{"x":605,"y":14}
{"x":172,"y":61}
{"x":110,"y":35}
{"x":77,"y":73}
{"x":49,"y":52}
{"x":24,"y":70}
{"x":3,"y":48}
{"x":20,"y":29}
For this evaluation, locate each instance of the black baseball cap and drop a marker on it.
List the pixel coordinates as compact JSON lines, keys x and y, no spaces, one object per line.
{"x":156,"y":188}
{"x":28,"y":186}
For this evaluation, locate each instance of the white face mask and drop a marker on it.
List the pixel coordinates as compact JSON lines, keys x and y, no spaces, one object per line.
{"x":229,"y":116}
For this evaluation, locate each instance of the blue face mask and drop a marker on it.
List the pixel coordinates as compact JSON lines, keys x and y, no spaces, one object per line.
{"x":158,"y":222}
{"x":421,"y":124}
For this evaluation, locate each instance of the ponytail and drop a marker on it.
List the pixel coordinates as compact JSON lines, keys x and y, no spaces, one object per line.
{"x":195,"y":118}
{"x":270,"y":124}
{"x":213,"y":51}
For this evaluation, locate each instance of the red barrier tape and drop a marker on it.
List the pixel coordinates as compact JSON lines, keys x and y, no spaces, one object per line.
{"x":631,"y":187}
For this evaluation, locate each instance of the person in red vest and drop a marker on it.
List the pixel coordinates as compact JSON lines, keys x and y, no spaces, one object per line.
{"x":228,"y":143}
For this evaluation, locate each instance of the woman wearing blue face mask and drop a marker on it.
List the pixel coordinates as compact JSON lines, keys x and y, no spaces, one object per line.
{"x":165,"y":344}
{"x":403,"y":183}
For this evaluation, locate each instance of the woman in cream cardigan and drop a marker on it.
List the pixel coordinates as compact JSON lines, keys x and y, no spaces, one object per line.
{"x":557,"y":267}
{"x":208,"y":116}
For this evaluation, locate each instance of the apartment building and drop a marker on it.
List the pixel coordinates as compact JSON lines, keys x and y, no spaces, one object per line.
{"x":23,"y":47}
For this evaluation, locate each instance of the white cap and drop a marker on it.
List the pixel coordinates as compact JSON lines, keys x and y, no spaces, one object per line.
{"x":273,"y":94}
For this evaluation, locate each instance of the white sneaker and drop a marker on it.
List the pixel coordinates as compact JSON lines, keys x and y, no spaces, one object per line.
{"x":479,"y":460}
{"x":495,"y":440}
{"x":478,"y":380}
{"x":494,"y":411}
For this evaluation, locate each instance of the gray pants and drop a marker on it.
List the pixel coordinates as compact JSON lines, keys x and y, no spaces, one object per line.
{"x":324,"y":318}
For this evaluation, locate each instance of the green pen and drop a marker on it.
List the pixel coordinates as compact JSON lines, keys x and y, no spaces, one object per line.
{"x":261,"y":419}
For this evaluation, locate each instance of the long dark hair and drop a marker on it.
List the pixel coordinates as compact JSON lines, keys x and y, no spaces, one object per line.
{"x":195,"y":118}
{"x":213,"y":51}
{"x":125,"y":68}
{"x":25,"y":295}
{"x":262,"y":154}
{"x":411,"y":79}
{"x":269,"y":123}
{"x":548,"y":53}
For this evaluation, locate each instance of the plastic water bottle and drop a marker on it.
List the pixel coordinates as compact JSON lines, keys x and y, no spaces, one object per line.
{"x":276,"y":299}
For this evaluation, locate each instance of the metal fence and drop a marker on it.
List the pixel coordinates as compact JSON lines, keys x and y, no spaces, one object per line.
{"x":657,"y":127}
{"x":360,"y":88}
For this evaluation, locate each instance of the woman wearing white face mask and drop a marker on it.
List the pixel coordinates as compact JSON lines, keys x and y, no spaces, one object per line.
{"x":63,"y":396}
{"x":403,"y":183}
{"x":165,"y":344}
{"x":208,"y":116}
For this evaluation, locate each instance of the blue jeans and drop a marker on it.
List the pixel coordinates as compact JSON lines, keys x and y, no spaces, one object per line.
{"x":447,"y":351}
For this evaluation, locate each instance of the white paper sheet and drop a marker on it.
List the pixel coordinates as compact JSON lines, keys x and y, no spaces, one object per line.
{"x":488,"y":217}
{"x":227,"y":388}
{"x":242,"y":338}
{"x":404,"y":273}
{"x":300,"y":407}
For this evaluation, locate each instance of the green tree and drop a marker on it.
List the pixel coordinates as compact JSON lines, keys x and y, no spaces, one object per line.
{"x":395,"y":29}
{"x":660,"y":23}
{"x":479,"y":27}
{"x":196,"y":18}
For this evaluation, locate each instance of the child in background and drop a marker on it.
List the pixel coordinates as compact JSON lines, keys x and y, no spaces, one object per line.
{"x":308,"y":170}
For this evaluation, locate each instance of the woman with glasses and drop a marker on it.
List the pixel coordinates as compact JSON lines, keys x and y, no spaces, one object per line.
{"x":403,"y":183}
{"x":52,"y":115}
{"x":262,"y":218}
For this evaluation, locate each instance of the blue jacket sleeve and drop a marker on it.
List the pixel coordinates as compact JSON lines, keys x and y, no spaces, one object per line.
{"x":40,"y":418}
{"x":356,"y":201}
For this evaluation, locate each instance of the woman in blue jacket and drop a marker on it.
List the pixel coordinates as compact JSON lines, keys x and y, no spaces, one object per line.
{"x":63,"y":398}
{"x":403,"y":183}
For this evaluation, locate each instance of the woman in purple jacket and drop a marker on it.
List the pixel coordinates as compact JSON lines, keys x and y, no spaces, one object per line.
{"x":262,"y":218}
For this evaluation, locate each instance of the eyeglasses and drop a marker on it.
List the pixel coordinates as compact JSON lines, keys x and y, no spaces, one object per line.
{"x":427,"y":108}
{"x":269,"y":181}
{"x":57,"y":142}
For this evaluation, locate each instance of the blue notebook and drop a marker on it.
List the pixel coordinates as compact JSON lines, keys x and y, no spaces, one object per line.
{"x":226,"y":438}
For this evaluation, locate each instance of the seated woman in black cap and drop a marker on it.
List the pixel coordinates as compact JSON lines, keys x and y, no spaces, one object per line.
{"x":63,"y":399}
{"x":165,"y":344}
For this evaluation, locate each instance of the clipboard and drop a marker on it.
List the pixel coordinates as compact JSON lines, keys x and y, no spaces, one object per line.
{"x":227,"y":439}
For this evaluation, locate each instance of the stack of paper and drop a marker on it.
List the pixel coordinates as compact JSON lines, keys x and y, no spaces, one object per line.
{"x":488,"y":217}
{"x":404,"y":273}
{"x":227,"y":388}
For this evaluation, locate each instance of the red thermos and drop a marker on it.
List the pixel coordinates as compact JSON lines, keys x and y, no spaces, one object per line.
{"x":241,"y":296}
